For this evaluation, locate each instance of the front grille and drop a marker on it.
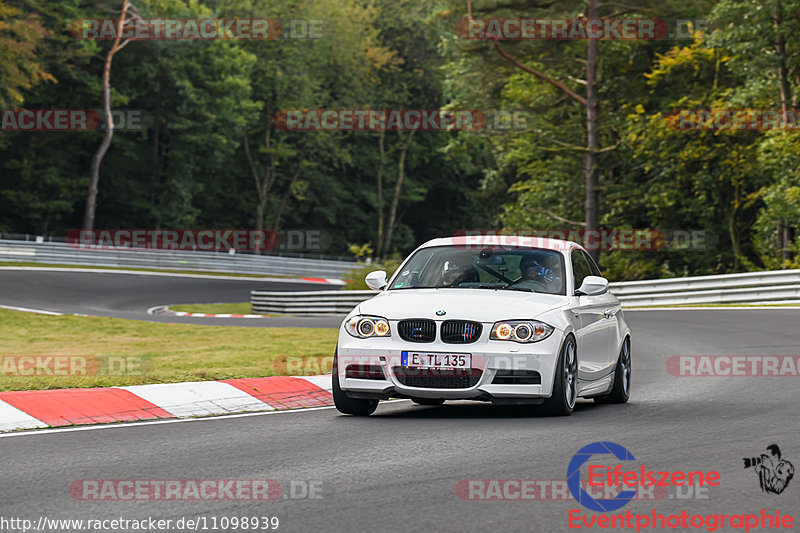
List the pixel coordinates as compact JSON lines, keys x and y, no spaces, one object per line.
{"x":419,"y":330}
{"x":460,"y":331}
{"x":430,"y":378}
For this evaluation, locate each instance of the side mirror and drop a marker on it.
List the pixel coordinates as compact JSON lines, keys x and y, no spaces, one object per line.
{"x":376,"y":280}
{"x":592,"y":286}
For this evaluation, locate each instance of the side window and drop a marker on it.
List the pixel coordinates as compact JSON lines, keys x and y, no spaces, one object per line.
{"x":580,"y":267}
{"x":592,"y":265}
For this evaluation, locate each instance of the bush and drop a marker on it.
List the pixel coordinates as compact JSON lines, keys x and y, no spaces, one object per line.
{"x":355,"y":277}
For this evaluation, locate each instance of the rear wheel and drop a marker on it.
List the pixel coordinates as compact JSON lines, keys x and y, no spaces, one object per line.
{"x":565,"y":386}
{"x":428,"y":401}
{"x":345,"y":404}
{"x":621,"y":390}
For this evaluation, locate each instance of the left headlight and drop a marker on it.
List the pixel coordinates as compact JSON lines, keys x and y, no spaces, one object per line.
{"x":521,"y":331}
{"x":367,"y":326}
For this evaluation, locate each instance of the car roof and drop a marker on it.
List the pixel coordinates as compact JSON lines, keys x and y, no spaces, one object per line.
{"x":473,"y":242}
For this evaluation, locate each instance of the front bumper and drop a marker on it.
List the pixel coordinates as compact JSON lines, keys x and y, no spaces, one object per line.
{"x":491,"y":359}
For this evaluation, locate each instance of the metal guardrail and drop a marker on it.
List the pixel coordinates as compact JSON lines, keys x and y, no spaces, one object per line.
{"x":62,"y":253}
{"x":753,"y":287}
{"x":307,"y":303}
{"x":761,"y":287}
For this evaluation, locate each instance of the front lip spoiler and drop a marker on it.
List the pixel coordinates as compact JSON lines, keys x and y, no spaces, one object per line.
{"x":483,"y":396}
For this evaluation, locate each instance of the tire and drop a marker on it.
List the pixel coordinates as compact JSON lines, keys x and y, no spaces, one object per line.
{"x":346,"y":405}
{"x":428,"y":401}
{"x":565,"y":391}
{"x":621,"y":390}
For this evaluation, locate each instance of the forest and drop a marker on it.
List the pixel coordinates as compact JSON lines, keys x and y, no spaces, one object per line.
{"x":540,"y":127}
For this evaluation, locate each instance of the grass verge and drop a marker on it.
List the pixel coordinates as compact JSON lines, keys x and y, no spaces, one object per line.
{"x":214,"y":309}
{"x":131,"y":352}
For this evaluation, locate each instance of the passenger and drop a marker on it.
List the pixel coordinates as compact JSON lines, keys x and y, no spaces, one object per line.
{"x":458,"y":271}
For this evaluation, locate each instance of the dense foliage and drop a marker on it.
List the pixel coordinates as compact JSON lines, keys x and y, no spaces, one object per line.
{"x":211,"y":156}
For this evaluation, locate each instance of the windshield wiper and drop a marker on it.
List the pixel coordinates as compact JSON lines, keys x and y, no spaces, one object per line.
{"x":512,"y":288}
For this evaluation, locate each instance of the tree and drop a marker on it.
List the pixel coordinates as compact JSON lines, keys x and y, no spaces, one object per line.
{"x":21,"y":38}
{"x":97,"y":159}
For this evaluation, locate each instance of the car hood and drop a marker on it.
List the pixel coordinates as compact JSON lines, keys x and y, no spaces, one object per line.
{"x":483,"y":305}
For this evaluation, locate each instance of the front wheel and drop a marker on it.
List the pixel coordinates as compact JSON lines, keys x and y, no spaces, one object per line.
{"x":565,"y":386}
{"x":346,"y":405}
{"x":621,"y":390}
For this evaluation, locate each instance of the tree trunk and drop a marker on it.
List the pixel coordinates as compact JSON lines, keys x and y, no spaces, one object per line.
{"x":732,"y":228}
{"x":263,"y":180}
{"x":379,"y":179}
{"x":97,"y":159}
{"x":592,"y":144}
{"x":401,"y":162}
{"x":784,"y":230}
{"x":276,"y":225}
{"x":783,"y":71}
{"x":787,"y":239}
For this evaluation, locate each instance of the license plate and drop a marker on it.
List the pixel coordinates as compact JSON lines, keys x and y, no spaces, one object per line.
{"x":436,"y":360}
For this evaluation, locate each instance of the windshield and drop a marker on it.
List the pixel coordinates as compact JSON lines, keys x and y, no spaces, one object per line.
{"x":524,"y":269}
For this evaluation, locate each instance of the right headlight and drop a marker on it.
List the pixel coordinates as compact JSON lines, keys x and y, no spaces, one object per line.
{"x":364,"y":327}
{"x":521,"y":331}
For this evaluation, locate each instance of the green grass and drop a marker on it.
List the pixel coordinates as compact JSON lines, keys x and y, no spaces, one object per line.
{"x":55,"y":265}
{"x":214,"y":309}
{"x":159,"y":353}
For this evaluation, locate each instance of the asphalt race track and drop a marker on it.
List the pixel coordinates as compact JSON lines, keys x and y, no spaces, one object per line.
{"x":398,"y":470}
{"x":131,"y":295}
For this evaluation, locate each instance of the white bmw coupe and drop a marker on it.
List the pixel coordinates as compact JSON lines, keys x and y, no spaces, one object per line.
{"x":511,"y":320}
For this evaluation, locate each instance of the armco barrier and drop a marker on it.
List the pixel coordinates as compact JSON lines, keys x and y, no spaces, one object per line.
{"x":307,"y":303}
{"x":774,"y":286}
{"x":757,"y":287}
{"x":61,"y":253}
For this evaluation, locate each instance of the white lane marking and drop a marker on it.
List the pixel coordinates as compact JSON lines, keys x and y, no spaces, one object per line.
{"x":12,"y":418}
{"x":171,"y":274}
{"x":164,"y":310}
{"x":124,"y":425}
{"x":773,"y":307}
{"x":29,"y":310}
{"x":198,"y":398}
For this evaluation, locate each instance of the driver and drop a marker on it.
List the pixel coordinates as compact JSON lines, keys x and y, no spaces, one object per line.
{"x":543,"y":269}
{"x":457,"y":271}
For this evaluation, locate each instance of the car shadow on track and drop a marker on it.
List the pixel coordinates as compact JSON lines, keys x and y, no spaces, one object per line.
{"x":466,"y":409}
